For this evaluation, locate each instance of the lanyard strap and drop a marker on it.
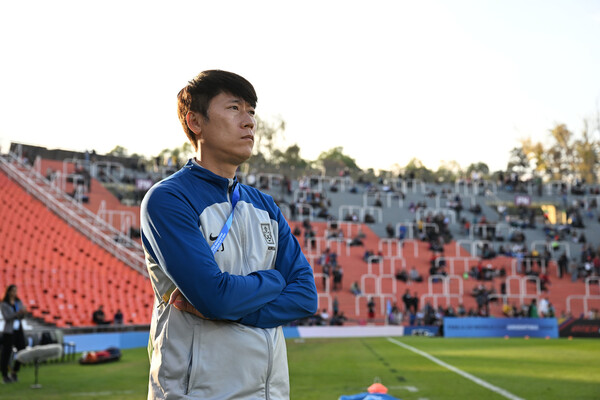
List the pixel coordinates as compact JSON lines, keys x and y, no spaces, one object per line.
{"x":225,"y":230}
{"x":219,"y":241}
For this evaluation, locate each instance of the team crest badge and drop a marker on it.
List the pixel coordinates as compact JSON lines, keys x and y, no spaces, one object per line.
{"x":265,"y":228}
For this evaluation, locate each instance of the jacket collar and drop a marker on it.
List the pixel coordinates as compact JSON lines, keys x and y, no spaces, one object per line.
{"x":203,"y":173}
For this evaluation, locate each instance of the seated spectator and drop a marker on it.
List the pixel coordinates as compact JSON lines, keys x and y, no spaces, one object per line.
{"x":507,"y":310}
{"x":338,"y":319}
{"x":355,"y":289}
{"x":395,"y":317}
{"x":324,"y":317}
{"x":297,"y":231}
{"x":351,"y":217}
{"x":402,"y":275}
{"x":414,"y":275}
{"x":355,"y":242}
{"x":487,"y":251}
{"x":488,"y":273}
{"x":118,"y":319}
{"x":98,"y":316}
{"x":516,"y":236}
{"x":335,"y":233}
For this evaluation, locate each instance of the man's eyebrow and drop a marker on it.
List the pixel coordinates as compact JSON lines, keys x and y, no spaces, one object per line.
{"x":238,"y":100}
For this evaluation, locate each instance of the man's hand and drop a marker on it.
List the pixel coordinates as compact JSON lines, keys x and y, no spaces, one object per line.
{"x":179,"y":301}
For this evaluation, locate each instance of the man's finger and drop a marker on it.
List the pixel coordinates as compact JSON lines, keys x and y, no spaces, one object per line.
{"x":174,"y":295}
{"x":180,"y":302}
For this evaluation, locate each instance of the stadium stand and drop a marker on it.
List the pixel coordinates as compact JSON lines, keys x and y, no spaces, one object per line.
{"x":62,"y":274}
{"x":65,"y":273}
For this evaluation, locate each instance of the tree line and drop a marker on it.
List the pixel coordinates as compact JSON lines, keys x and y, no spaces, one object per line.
{"x":567,"y":156}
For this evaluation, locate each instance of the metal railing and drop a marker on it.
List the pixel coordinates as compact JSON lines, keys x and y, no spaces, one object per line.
{"x":97,"y":230}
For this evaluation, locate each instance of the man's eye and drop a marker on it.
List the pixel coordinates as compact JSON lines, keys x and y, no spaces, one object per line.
{"x":234,"y":108}
{"x":252,"y":112}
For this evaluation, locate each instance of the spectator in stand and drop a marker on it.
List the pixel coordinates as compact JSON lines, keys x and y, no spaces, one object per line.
{"x":336,"y":306}
{"x":507,"y":310}
{"x":402,"y":232}
{"x":481,"y":297}
{"x":325,"y":317}
{"x":414,"y":301}
{"x":326,"y":274}
{"x":544,"y":307}
{"x":407,"y":300}
{"x":596,"y":264}
{"x":532,"y":311}
{"x":355,"y":289}
{"x":297,"y":231}
{"x":395,"y":317}
{"x":562,"y":262}
{"x":414,"y":275}
{"x":338,"y":274}
{"x":99,"y":317}
{"x":544,"y":282}
{"x":371,"y":309}
{"x":574,"y":271}
{"x":402,"y":275}
{"x":118,"y":319}
{"x":13,"y":312}
{"x":389,"y":229}
{"x":338,"y":320}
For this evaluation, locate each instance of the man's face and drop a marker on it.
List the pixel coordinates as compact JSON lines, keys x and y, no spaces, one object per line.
{"x":228,"y":134}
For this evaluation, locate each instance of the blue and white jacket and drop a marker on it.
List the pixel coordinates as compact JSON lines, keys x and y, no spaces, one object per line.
{"x":258,"y":278}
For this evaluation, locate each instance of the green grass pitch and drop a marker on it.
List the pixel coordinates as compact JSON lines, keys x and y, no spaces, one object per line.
{"x":327,"y":368}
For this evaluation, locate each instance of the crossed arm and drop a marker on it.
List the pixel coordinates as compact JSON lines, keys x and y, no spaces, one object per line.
{"x":265,"y":298}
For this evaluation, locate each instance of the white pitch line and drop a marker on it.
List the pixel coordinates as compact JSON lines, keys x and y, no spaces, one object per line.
{"x":473,"y":378}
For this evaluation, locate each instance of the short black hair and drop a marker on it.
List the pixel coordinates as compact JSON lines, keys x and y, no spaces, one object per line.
{"x":196,"y":96}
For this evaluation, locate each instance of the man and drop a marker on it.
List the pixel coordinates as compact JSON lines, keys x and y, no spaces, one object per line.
{"x":99,"y":317}
{"x":224,"y":266}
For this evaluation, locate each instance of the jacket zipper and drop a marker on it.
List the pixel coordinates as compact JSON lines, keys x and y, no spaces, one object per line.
{"x":270,"y":363}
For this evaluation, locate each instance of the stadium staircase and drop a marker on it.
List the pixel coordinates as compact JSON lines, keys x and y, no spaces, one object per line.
{"x":63,"y":274}
{"x":74,"y":213}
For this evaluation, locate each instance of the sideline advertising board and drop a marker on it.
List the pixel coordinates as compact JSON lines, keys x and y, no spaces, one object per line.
{"x":589,"y":328}
{"x":500,"y":327}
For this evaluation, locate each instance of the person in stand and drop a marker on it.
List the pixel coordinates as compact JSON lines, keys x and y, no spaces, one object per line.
{"x":118,"y":318}
{"x":13,"y":312}
{"x":226,"y":270}
{"x":371,"y":309}
{"x":99,"y":317}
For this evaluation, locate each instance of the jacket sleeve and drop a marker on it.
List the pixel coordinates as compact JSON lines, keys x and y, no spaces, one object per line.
{"x":170,"y":234}
{"x":299,"y":298}
{"x":8,"y":313}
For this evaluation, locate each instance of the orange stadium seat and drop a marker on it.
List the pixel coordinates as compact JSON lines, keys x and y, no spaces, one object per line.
{"x":61,"y":275}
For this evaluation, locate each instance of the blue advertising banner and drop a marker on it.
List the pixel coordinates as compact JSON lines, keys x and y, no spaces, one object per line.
{"x":500,"y":327}
{"x":425,"y":330}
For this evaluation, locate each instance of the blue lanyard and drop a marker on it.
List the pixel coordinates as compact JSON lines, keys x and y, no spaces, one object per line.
{"x":225,"y":230}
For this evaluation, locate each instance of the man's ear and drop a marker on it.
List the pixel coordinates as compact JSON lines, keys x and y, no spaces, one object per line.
{"x":194,"y":120}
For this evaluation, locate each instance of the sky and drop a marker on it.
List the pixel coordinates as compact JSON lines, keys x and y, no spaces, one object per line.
{"x":388,"y":81}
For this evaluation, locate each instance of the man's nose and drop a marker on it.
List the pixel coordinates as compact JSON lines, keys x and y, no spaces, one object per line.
{"x":249,"y":121}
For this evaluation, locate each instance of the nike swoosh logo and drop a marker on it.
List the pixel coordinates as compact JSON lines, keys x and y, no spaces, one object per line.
{"x":210,"y":236}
